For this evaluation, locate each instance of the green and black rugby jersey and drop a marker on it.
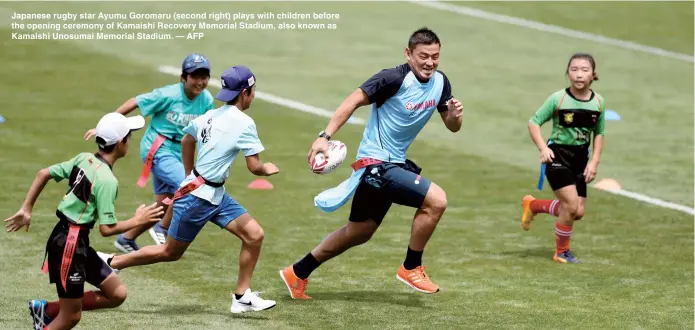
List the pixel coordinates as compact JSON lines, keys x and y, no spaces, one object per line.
{"x":92,"y":190}
{"x":574,"y":120}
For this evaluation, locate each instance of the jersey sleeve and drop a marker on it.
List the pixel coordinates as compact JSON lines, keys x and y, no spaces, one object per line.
{"x":62,"y":170}
{"x":446,"y":95}
{"x":382,"y":86}
{"x":105,"y":195}
{"x":192,"y":127}
{"x":152,"y":102}
{"x":600,"y":127}
{"x":546,"y":111}
{"x":249,"y":142}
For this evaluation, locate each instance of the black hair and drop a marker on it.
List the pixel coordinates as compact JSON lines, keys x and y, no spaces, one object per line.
{"x":583,"y":56}
{"x":423,"y":36}
{"x":109,"y":149}
{"x":246,"y":91}
{"x":202,"y":71}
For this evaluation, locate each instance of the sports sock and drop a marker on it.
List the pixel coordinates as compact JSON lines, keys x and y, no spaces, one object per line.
{"x":562,"y":237}
{"x":238,"y":296}
{"x":304,"y":267}
{"x":546,"y":206}
{"x":413,"y":259}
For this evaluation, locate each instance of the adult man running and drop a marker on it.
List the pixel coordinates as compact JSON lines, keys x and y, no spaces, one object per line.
{"x":403,"y":99}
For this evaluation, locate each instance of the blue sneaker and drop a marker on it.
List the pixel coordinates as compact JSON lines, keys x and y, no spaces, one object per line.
{"x":37,"y":311}
{"x":565,"y":257}
{"x":125,"y":245}
{"x":159,"y":234}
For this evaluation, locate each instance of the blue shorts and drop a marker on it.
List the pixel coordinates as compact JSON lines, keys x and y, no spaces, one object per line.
{"x":385,"y":184}
{"x":191,"y":213}
{"x":167,"y":174}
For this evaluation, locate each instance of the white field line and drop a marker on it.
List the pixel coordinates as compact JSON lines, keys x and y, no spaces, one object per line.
{"x":468,"y":11}
{"x":651,"y":200}
{"x":325,"y":113}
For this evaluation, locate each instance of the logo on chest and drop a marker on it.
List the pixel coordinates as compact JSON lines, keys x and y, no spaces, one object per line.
{"x":569,"y":118}
{"x":410,"y":106}
{"x":179,"y":119}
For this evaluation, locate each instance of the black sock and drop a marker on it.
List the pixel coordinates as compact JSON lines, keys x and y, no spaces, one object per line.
{"x":304,"y":267}
{"x":238,"y":296}
{"x":412,"y":259}
{"x":108,"y":261}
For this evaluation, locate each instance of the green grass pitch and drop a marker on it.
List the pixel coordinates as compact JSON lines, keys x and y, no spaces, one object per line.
{"x":637,"y":259}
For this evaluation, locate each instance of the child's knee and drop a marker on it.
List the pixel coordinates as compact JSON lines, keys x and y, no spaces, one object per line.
{"x":254,"y":235}
{"x":170,"y":255}
{"x":580,"y":213}
{"x":571,"y":207}
{"x":119,"y":295}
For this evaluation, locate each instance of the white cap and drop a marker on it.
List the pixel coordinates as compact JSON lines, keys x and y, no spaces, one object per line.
{"x":113,"y":127}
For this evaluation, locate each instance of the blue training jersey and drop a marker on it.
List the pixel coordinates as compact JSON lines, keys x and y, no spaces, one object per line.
{"x":171,"y":110}
{"x":220,"y":134}
{"x":401,"y":106}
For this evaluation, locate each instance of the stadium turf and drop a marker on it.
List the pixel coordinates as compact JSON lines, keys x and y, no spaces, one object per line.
{"x":637,"y":259}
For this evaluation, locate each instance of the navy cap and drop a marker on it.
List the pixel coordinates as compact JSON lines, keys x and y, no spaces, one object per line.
{"x":194,"y":62}
{"x":234,"y":80}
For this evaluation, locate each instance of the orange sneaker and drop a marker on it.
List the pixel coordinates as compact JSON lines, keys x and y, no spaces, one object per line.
{"x":417,"y":279}
{"x":296,"y":285}
{"x":527,"y":215}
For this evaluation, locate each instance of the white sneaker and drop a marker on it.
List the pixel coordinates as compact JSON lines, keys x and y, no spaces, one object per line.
{"x":158,"y":234}
{"x":106,"y":258}
{"x":250,"y":302}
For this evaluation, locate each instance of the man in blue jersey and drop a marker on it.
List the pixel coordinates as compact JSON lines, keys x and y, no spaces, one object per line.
{"x":403,"y":99}
{"x":171,"y":108}
{"x":220,"y":135}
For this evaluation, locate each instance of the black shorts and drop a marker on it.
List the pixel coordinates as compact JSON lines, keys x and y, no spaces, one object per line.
{"x":85,"y":265}
{"x":385,"y":184}
{"x":568,"y":167}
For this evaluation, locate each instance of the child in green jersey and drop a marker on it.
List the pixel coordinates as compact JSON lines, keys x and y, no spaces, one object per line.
{"x":577,"y":117}
{"x":70,"y":261}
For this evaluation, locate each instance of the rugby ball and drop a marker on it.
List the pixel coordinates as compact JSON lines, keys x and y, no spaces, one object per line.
{"x":337,"y":151}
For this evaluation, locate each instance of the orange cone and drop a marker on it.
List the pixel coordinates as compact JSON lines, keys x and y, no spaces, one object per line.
{"x":261,"y":184}
{"x":608,"y":184}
